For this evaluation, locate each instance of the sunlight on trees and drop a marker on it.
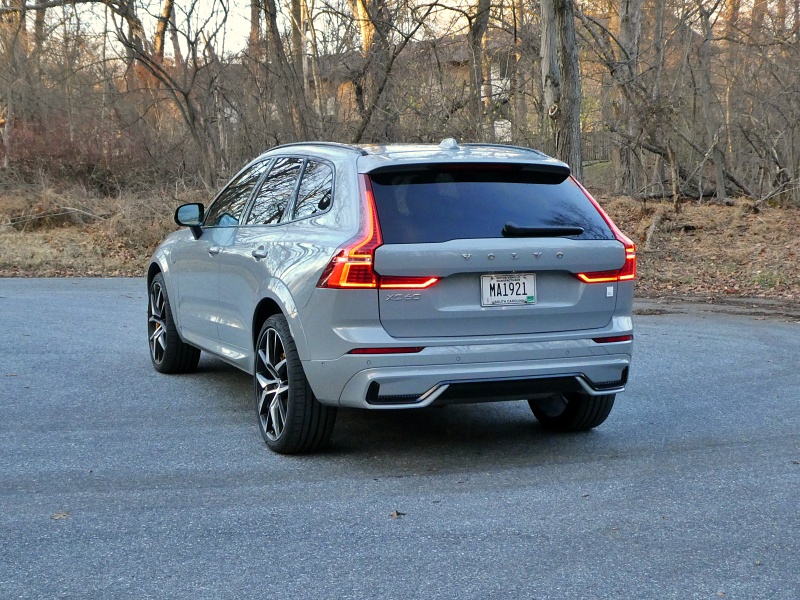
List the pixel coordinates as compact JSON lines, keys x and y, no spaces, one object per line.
{"x":682,"y":98}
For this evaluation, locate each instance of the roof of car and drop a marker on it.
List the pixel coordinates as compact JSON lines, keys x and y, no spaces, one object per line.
{"x":450,"y":152}
{"x":373,"y":157}
{"x":450,"y":145}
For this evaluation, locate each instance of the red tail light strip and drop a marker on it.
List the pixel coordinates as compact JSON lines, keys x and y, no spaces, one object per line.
{"x":352,"y":267}
{"x":628,"y":270}
{"x":406,"y":283}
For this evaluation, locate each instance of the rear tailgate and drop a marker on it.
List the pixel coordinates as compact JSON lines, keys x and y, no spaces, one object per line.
{"x":448,"y":223}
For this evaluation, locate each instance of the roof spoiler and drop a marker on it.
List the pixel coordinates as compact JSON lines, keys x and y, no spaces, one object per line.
{"x":550,"y":172}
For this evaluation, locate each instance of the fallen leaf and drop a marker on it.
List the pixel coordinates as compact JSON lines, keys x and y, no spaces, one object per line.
{"x":396,"y":514}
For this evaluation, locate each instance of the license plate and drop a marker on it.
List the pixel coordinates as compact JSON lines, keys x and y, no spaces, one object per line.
{"x":505,"y":290}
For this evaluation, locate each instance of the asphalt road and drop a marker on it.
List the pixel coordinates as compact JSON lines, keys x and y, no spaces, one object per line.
{"x":118,"y":482}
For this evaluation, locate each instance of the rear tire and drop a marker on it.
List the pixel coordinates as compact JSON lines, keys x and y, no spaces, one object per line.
{"x":168,"y":352}
{"x":572,"y":411}
{"x":290,"y":418}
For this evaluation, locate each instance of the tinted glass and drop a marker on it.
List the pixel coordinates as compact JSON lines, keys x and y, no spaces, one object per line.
{"x":450,"y":203}
{"x":276,"y":192}
{"x":316,"y":190}
{"x":228,"y":207}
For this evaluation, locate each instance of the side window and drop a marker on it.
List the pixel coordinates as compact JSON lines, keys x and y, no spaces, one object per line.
{"x":228,"y":207}
{"x":276,"y":192}
{"x":316,"y":190}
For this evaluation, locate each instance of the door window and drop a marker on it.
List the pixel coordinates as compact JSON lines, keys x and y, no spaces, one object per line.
{"x":316,"y":190}
{"x":276,"y":192}
{"x":227,"y":208}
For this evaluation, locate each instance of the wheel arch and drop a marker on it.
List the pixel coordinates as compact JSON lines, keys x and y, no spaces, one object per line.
{"x":158,"y":264}
{"x":277,"y":299}
{"x":264,"y":310}
{"x":152,"y":270}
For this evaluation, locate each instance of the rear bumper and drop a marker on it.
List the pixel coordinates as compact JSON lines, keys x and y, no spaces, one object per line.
{"x":454,"y":374}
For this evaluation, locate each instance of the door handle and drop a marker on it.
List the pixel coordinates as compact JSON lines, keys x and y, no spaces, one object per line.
{"x":259,"y":253}
{"x":212,"y":250}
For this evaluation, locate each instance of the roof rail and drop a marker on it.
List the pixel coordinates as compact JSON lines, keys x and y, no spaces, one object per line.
{"x":509,"y":146}
{"x":361,"y":151}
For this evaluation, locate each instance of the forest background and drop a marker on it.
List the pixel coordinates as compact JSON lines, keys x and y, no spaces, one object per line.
{"x":682,"y":116}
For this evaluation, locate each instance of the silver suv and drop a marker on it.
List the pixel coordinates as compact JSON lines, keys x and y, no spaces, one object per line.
{"x":399,"y":276}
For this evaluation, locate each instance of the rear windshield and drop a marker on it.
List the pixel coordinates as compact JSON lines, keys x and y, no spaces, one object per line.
{"x":425,"y":205}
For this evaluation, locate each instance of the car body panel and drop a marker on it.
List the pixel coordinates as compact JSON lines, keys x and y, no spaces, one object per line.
{"x":242,"y":278}
{"x":195,"y":267}
{"x":453,"y":305}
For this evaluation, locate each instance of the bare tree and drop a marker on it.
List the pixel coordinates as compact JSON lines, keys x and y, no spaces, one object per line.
{"x":561,"y":80}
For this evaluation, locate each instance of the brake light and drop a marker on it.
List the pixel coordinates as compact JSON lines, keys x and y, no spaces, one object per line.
{"x":628,"y":270}
{"x":352,"y":266}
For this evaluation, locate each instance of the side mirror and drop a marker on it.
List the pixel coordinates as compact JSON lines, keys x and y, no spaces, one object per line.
{"x":191,"y":216}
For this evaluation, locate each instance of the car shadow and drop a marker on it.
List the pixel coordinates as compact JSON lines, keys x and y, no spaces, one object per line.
{"x":470,"y":438}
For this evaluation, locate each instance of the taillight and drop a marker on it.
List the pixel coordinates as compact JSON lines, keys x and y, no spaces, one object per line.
{"x":352,"y":266}
{"x":406,"y":283}
{"x":628,"y":270}
{"x":626,"y":273}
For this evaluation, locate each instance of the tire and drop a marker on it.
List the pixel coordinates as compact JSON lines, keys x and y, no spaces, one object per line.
{"x":168,"y":352}
{"x":572,"y":411}
{"x":290,"y":418}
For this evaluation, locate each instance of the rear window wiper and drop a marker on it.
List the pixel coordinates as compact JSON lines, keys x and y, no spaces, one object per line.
{"x":513,"y":230}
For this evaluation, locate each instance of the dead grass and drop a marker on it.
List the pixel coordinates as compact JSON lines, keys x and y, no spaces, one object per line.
{"x":706,"y":250}
{"x":714,"y":250}
{"x":48,"y":232}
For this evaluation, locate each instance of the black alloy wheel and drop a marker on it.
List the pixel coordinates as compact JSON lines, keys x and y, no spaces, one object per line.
{"x":168,"y":352}
{"x":290,"y":418}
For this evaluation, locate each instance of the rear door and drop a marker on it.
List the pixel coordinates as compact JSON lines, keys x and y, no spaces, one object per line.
{"x":505,"y":246}
{"x":255,"y":254}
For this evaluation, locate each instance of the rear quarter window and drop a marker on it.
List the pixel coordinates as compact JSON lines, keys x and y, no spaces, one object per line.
{"x":426,"y":205}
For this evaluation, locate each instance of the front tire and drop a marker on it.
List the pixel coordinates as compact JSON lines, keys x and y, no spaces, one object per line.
{"x":572,"y":411}
{"x":168,"y":352}
{"x":290,"y":418}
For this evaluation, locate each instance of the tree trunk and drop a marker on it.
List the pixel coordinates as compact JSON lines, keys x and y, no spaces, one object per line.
{"x":520,"y":127}
{"x":176,"y":46}
{"x":298,"y":42}
{"x":551,"y":75}
{"x":292,"y":99}
{"x":628,"y":35}
{"x":364,"y":22}
{"x":255,"y":28}
{"x":706,"y":95}
{"x":161,"y":30}
{"x":478,"y":25}
{"x":374,"y":25}
{"x":568,"y":115}
{"x":7,"y":125}
{"x":38,"y":30}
